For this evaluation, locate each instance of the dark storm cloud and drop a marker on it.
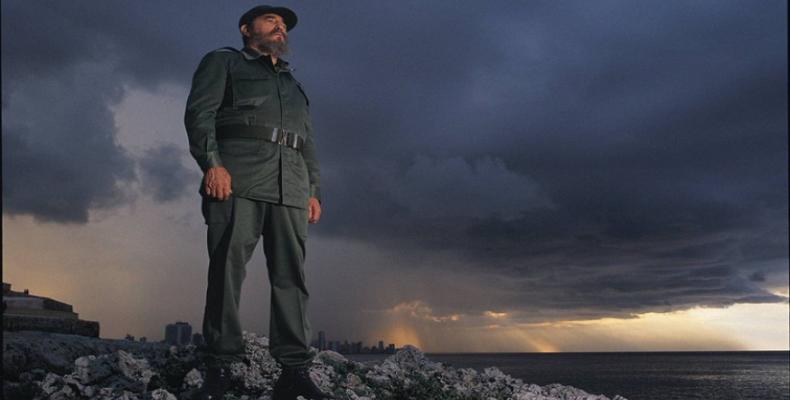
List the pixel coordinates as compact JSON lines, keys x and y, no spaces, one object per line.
{"x":757,"y":276}
{"x":163,"y":175}
{"x":651,"y":139}
{"x":64,"y":65}
{"x":604,"y":157}
{"x":145,"y":44}
{"x":60,"y":158}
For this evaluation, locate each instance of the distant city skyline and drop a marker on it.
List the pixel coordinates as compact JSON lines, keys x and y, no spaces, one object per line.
{"x":180,"y":334}
{"x":343,"y":346}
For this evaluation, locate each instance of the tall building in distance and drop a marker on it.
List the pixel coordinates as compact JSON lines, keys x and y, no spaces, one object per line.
{"x":321,"y":341}
{"x":178,"y":334}
{"x":197,"y":339}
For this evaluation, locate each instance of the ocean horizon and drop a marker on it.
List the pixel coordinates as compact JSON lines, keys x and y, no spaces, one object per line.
{"x":638,"y":375}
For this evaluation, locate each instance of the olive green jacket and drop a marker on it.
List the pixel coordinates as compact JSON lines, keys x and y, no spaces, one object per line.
{"x":232,"y":89}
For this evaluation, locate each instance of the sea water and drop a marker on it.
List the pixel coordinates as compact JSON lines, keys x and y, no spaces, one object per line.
{"x":741,"y":375}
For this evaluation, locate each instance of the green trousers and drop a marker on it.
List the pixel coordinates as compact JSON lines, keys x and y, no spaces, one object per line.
{"x":234,"y":226}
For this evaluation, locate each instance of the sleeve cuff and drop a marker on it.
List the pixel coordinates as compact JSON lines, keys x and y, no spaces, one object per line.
{"x":315,"y":191}
{"x":212,"y":160}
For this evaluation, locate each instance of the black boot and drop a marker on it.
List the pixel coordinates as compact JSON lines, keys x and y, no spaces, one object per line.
{"x":215,"y":385}
{"x":295,"y":382}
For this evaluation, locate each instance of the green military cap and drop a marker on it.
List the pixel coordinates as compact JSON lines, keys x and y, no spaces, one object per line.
{"x":289,"y":17}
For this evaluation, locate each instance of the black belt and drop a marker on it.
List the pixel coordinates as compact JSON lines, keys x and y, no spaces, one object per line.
{"x":276,"y":135}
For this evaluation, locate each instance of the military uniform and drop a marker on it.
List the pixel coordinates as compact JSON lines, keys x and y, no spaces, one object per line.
{"x":252,"y":117}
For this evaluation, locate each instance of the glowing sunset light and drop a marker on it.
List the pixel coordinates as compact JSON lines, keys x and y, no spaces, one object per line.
{"x":493,"y":314}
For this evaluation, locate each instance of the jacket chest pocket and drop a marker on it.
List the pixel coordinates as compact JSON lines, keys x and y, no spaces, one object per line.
{"x":252,"y":90}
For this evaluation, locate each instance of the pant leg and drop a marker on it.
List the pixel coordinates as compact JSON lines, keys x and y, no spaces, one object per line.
{"x":234,"y":226}
{"x":284,"y":237}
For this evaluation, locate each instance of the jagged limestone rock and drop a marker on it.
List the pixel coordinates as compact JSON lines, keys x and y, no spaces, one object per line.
{"x":103,"y":369}
{"x":193,"y":379}
{"x":160,"y":394}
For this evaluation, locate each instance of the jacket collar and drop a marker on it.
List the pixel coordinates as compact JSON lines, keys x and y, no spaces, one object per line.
{"x":251,"y":54}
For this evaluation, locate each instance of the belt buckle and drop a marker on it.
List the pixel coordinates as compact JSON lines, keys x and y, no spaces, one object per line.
{"x":282,"y":137}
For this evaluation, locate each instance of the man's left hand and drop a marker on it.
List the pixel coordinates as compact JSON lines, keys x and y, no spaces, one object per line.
{"x":313,"y":210}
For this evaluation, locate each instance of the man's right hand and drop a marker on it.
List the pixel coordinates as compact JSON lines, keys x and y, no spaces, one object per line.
{"x":217,"y":183}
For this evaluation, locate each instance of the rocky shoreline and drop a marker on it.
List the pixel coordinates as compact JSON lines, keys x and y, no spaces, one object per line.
{"x":39,"y":365}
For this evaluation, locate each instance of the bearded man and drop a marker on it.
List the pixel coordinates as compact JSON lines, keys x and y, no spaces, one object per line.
{"x":249,"y":128}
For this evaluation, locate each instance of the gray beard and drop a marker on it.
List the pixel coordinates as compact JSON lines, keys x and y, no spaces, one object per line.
{"x":273,"y":47}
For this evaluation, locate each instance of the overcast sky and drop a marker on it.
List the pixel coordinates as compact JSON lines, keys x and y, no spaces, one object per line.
{"x":497,"y":176}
